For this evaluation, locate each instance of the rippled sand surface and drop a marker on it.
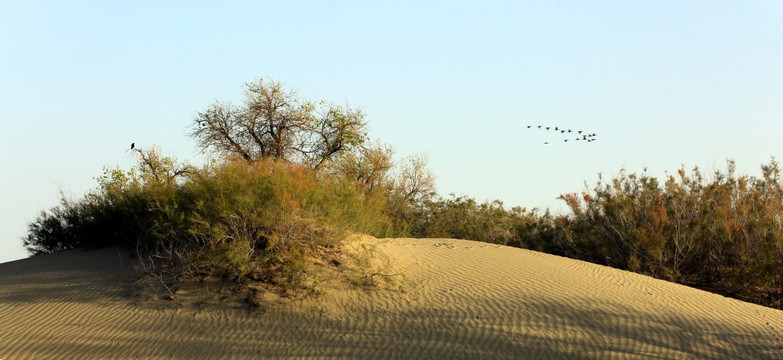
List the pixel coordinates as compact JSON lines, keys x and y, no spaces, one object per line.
{"x":460,"y":300}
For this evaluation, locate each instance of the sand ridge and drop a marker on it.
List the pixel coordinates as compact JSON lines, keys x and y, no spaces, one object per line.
{"x":460,"y":299}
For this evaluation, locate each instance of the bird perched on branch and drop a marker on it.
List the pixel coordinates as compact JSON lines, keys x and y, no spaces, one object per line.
{"x":133,"y":145}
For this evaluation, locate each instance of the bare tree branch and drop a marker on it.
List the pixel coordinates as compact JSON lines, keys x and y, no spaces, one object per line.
{"x":275,"y":124}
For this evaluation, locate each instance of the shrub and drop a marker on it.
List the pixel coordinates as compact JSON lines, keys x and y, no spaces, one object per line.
{"x":264,"y":219}
{"x":723,"y":234}
{"x":462,"y":217}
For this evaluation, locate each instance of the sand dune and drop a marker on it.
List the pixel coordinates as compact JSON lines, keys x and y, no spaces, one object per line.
{"x":461,"y":300}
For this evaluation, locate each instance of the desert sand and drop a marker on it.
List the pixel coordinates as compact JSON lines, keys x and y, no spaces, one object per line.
{"x":459,"y":300}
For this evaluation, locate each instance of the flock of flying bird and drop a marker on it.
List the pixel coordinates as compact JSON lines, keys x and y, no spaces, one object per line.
{"x":580,"y":134}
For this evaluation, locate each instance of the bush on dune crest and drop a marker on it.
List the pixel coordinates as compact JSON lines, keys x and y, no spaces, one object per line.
{"x":266,"y":209}
{"x":235,"y":219}
{"x":462,"y":217}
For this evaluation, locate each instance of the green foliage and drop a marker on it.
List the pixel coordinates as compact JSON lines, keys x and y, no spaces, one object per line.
{"x":464,"y":218}
{"x":263,"y":219}
{"x":723,"y":234}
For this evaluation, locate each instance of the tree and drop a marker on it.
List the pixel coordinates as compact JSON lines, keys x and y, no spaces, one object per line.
{"x":415,"y":183}
{"x":273,"y":123}
{"x":367,"y":166}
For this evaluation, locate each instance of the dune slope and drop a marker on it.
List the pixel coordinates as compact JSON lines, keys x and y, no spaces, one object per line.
{"x":460,"y":299}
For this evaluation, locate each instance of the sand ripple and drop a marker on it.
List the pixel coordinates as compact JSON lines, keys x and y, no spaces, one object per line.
{"x":460,"y":300}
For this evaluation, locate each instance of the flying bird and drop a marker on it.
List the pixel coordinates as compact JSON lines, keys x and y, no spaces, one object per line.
{"x":583,"y":135}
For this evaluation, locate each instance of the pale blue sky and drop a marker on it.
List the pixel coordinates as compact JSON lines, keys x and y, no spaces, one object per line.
{"x":662,"y":83}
